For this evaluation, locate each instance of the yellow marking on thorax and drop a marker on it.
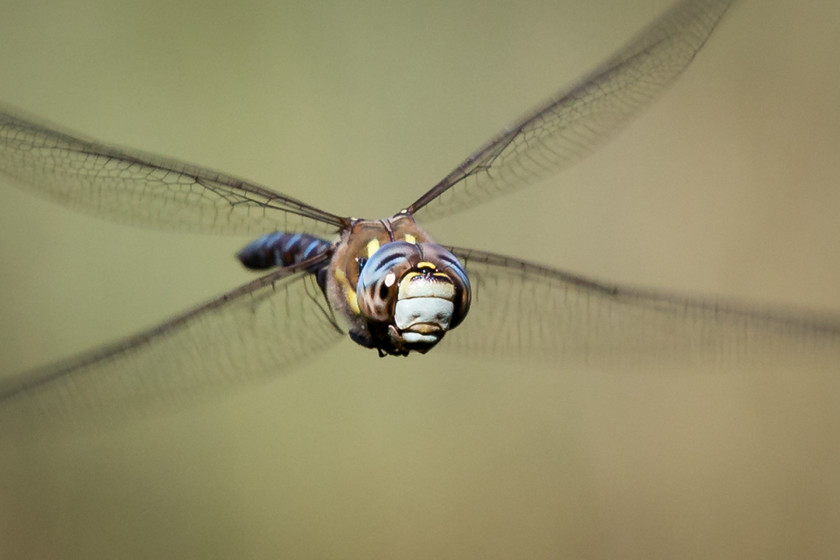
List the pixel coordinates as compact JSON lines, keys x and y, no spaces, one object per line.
{"x":410,"y":238}
{"x":349,"y":291}
{"x":352,"y":301}
{"x":372,"y":247}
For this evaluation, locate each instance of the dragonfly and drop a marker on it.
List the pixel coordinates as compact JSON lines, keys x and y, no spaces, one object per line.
{"x":386,"y":283}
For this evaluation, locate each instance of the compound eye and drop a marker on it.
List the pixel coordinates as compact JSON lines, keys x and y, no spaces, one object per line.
{"x":378,"y":285}
{"x":383,"y":298}
{"x":387,"y":286}
{"x":454,"y":270}
{"x":380,"y":299}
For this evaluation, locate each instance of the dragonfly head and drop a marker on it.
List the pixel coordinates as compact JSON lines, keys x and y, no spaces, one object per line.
{"x":411,"y":294}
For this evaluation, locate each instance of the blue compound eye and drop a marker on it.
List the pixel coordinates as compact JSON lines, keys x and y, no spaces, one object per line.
{"x":402,"y":283}
{"x":378,"y":284}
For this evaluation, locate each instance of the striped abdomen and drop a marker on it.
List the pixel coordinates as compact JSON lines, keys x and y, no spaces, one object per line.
{"x":282,"y":249}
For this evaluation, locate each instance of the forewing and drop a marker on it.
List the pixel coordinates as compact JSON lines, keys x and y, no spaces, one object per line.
{"x":579,"y":119}
{"x":132,"y":187}
{"x":259,"y":330}
{"x":521,"y":309}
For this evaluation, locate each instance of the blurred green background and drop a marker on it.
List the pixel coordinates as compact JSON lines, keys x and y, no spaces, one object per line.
{"x":727,"y":186}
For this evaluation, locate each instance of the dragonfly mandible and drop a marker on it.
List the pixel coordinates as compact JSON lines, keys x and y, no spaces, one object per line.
{"x":386,"y":282}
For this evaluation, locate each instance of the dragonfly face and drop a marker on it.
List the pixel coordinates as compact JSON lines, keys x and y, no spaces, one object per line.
{"x":385,"y":282}
{"x":402,"y":295}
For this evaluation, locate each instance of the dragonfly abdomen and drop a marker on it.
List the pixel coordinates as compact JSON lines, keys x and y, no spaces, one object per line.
{"x":280,"y":249}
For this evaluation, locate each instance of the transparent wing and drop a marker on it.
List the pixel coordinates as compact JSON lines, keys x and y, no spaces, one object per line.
{"x":136,"y":188}
{"x":259,"y":330}
{"x":579,"y":119}
{"x":523,"y":309}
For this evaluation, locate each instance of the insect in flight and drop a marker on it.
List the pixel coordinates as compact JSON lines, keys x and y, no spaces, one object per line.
{"x":385,"y":282}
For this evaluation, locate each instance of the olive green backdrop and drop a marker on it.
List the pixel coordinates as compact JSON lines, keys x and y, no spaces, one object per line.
{"x":729,"y":185}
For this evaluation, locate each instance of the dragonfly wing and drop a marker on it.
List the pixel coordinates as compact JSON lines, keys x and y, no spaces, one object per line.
{"x":524,"y":309}
{"x":260,"y":330}
{"x":129,"y":186}
{"x":579,"y":119}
